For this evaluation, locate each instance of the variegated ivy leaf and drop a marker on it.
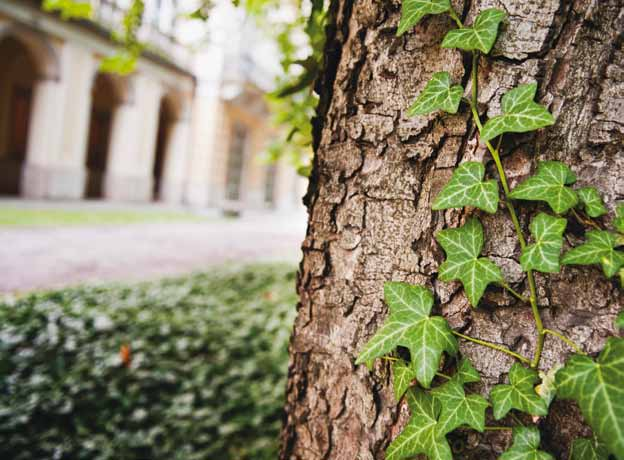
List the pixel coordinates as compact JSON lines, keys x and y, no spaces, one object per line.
{"x":549,"y":185}
{"x":409,"y":325}
{"x":618,"y":222}
{"x":466,"y":372}
{"x":548,"y":388}
{"x":439,"y":94}
{"x":421,"y":435}
{"x":459,"y":409}
{"x":518,"y":394}
{"x":543,"y":254}
{"x":403,"y":375}
{"x":467,"y":188}
{"x":481,"y":36}
{"x":597,"y":388}
{"x":414,"y":10}
{"x":592,"y":201}
{"x":599,"y":249}
{"x":520,"y":114}
{"x":463,"y":246}
{"x":588,"y":449}
{"x":526,"y":442}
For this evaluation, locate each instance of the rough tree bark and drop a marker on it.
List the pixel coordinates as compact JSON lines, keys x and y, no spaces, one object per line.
{"x":375,"y":174}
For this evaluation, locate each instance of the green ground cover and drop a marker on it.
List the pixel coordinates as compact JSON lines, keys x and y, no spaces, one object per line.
{"x":36,"y":217}
{"x":182,"y":369}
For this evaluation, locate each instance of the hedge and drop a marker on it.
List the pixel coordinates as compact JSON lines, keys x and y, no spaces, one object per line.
{"x":183,"y":369}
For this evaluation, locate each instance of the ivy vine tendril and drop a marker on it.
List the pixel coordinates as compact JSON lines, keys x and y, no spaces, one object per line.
{"x":440,"y":403}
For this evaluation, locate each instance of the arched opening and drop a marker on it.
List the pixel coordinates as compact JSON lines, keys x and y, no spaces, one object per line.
{"x":166,"y":119}
{"x":17,"y":79}
{"x":103,"y":103}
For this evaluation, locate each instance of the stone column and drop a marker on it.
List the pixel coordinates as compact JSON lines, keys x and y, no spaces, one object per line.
{"x":176,"y":159}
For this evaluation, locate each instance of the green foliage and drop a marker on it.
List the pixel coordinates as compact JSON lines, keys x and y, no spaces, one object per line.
{"x":422,"y":434}
{"x":409,"y":325}
{"x":549,"y":184}
{"x":588,"y":449}
{"x":463,"y":247}
{"x":124,"y":61}
{"x":459,"y":409}
{"x":414,"y":10}
{"x":402,"y":375}
{"x":525,"y":446}
{"x":619,"y":321}
{"x":481,"y":36}
{"x":467,"y":188}
{"x":205,"y":381}
{"x":518,"y":394}
{"x":618,"y":222}
{"x":548,"y":388}
{"x":592,"y":201}
{"x":599,"y":249}
{"x":597,"y":388}
{"x":467,"y":373}
{"x":437,"y":95}
{"x":520,"y":114}
{"x":69,"y":9}
{"x":543,"y":254}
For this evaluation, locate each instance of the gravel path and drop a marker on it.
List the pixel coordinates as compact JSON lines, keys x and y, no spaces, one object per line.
{"x":44,"y":258}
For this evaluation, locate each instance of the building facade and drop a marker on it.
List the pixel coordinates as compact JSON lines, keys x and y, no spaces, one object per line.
{"x":188,"y":126}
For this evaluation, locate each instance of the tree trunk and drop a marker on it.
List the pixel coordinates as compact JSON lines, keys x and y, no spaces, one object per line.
{"x":376,"y":172}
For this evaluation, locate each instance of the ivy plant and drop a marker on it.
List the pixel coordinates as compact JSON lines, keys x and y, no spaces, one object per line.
{"x":422,"y":346}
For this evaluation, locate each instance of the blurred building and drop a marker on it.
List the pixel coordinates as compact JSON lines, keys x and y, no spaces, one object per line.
{"x":189,"y":126}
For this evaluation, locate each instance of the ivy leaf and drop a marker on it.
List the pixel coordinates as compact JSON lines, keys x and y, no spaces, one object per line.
{"x":597,"y":388}
{"x":592,"y":201}
{"x":463,"y":246}
{"x":619,"y":321}
{"x":437,"y":95}
{"x":413,"y":11}
{"x":587,"y":449}
{"x":599,"y":249}
{"x":467,"y":188}
{"x":520,"y":114}
{"x":421,"y":434}
{"x":409,"y":325}
{"x":481,"y":36}
{"x":526,"y":441}
{"x":403,"y":376}
{"x":618,"y":222}
{"x":459,"y":409}
{"x":549,"y":185}
{"x":548,"y":388}
{"x":467,"y":373}
{"x":519,"y":394}
{"x":543,"y":255}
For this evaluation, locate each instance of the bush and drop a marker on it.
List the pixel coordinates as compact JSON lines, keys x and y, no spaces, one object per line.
{"x":206,"y":377}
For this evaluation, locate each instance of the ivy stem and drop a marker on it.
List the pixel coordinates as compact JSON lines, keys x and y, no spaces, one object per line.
{"x":493,"y":346}
{"x":589,"y":222}
{"x":512,"y":212}
{"x":515,"y":293}
{"x":455,"y":17}
{"x":498,"y":428}
{"x":444,"y":376}
{"x":571,"y":343}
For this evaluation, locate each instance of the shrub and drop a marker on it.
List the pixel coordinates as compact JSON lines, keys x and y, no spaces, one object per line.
{"x":205,"y":380}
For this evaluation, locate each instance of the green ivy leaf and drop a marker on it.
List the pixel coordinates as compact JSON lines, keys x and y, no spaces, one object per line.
{"x":409,"y":325}
{"x":481,"y":36}
{"x":467,"y":188}
{"x":526,"y":441}
{"x":437,"y":95}
{"x":543,"y":255}
{"x":597,"y":388}
{"x":402,"y":377}
{"x":548,"y":388}
{"x":466,"y":372}
{"x":619,"y":321}
{"x":592,"y":201}
{"x":421,"y":435}
{"x":599,"y":249}
{"x":618,"y":222}
{"x":520,"y":114}
{"x":459,"y":409}
{"x":549,"y":185}
{"x":413,"y":11}
{"x":587,"y":449}
{"x":463,"y":246}
{"x":518,"y":394}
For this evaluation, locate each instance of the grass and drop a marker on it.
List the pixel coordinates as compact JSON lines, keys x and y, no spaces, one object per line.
{"x":11,"y":216}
